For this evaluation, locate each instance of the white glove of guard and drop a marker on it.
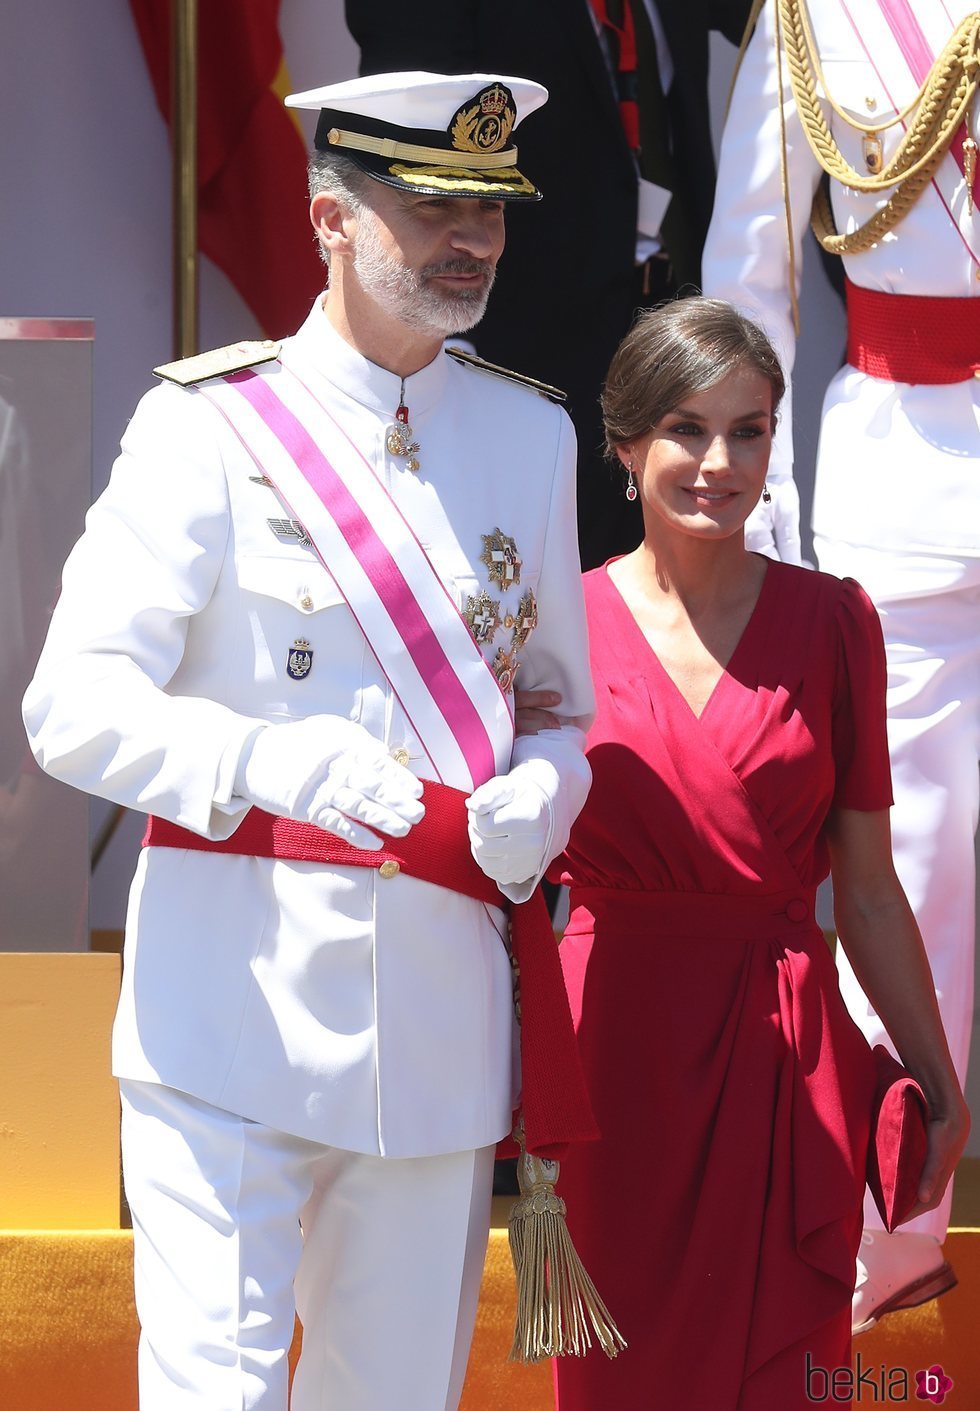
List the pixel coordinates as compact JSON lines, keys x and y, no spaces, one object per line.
{"x":774,"y":529}
{"x":510,"y":827}
{"x":329,"y":771}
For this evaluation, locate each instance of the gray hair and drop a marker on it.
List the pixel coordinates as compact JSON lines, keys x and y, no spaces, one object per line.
{"x":327,"y":171}
{"x":671,"y":351}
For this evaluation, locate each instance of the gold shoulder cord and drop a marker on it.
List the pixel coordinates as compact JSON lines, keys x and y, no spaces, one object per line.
{"x":941,"y":105}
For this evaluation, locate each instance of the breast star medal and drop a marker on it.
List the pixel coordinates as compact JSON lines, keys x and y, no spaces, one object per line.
{"x":482,"y":615}
{"x":300,"y":660}
{"x":504,"y":667}
{"x":525,"y":622}
{"x":501,"y":558}
{"x":398,"y":437}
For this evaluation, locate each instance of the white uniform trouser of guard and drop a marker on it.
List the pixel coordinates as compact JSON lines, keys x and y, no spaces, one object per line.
{"x":930,"y":615}
{"x":385,"y":1275}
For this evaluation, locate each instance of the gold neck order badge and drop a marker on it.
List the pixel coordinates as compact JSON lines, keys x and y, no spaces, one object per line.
{"x":398,"y":437}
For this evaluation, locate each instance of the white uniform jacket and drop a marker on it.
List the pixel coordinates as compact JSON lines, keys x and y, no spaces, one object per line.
{"x":898,"y":465}
{"x":369,"y":1013}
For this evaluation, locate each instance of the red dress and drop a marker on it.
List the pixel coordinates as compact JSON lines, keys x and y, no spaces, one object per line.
{"x":720,"y":1213}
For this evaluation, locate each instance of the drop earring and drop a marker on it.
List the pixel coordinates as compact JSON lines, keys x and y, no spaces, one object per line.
{"x":766,"y":496}
{"x":631,"y":490}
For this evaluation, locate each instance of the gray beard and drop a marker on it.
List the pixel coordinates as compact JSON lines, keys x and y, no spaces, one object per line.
{"x":405,"y":293}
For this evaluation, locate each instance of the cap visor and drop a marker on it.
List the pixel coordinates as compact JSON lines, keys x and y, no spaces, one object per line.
{"x":497,"y":183}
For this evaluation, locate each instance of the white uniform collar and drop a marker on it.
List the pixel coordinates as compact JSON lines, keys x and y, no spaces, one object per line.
{"x":352,"y":374}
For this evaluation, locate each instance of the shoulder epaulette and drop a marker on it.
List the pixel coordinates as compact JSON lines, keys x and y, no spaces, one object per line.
{"x":544,"y":389}
{"x":218,"y":362}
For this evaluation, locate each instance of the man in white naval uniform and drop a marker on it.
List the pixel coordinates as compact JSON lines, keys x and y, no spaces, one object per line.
{"x":897,"y":500}
{"x":297,"y":1042}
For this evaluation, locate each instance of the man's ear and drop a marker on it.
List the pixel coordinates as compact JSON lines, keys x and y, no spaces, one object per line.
{"x":331,"y":221}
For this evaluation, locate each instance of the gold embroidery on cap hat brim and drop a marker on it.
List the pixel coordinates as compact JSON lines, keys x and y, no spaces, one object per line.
{"x":464,"y":179}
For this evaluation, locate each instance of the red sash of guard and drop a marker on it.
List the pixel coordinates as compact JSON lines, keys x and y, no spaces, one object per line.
{"x":912,"y":338}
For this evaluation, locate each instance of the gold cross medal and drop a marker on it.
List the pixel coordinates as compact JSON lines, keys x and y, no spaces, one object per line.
{"x":525,"y":622}
{"x":482,"y":616}
{"x":504,"y":667}
{"x":300,"y":660}
{"x":398,"y":439}
{"x":501,"y":558}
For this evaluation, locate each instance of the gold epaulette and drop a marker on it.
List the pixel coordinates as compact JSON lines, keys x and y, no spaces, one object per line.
{"x":544,"y":389}
{"x":218,"y":362}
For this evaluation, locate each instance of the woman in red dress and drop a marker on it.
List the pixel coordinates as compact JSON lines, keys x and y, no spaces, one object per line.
{"x":738,"y":754}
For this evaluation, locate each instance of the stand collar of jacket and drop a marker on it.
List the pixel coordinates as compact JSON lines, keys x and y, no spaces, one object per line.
{"x":365,"y":382}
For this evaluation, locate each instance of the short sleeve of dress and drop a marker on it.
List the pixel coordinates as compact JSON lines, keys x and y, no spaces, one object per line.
{"x":860,"y":742}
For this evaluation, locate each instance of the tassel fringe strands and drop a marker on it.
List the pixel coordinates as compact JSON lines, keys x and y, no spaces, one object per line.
{"x":558,"y":1308}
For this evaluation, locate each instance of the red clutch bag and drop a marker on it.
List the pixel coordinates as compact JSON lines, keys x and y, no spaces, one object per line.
{"x":897,"y":1149}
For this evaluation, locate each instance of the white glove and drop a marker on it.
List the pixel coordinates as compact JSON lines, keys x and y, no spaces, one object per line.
{"x":774,"y":529}
{"x":329,"y":771}
{"x":510,"y":827}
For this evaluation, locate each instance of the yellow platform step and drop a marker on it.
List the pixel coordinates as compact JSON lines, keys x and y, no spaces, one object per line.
{"x":68,"y":1329}
{"x":59,"y":1105}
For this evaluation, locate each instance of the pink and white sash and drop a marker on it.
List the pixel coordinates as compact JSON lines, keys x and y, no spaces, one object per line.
{"x":902,"y":39}
{"x":412,"y":626}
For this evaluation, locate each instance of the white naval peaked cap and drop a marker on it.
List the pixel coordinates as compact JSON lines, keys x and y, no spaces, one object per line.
{"x":443,"y":134}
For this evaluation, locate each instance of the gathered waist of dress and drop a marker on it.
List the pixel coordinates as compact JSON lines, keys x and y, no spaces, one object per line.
{"x":719,"y":915}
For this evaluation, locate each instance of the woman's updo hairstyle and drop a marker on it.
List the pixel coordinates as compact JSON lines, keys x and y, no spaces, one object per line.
{"x":675,"y":350}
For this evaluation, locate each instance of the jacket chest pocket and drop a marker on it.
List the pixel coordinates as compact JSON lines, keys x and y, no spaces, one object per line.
{"x":307,"y":649}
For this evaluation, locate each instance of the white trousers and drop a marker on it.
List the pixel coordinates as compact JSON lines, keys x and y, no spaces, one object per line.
{"x":930,"y":615}
{"x":384,"y":1273}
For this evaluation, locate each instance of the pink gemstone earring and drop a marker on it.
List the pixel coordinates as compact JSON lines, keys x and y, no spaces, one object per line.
{"x":631,"y":490}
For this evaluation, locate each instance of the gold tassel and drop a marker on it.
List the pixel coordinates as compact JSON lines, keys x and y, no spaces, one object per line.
{"x":556,"y":1300}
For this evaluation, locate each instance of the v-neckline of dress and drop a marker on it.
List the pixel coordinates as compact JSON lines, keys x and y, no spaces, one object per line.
{"x":747,"y":633}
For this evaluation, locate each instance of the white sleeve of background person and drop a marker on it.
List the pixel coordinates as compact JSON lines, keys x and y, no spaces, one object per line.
{"x":747,"y":255}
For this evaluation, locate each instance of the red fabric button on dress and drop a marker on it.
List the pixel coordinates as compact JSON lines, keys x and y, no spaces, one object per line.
{"x":797,"y":909}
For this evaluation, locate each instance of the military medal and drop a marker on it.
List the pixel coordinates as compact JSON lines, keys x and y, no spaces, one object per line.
{"x":505,"y":669}
{"x":398,"y":437}
{"x":871,"y":143}
{"x":525,"y":622}
{"x":501,"y":558}
{"x":482,"y":615}
{"x":290,"y":529}
{"x":300,"y":660}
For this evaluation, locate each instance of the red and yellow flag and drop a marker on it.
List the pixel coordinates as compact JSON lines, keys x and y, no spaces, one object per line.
{"x":252,"y":210}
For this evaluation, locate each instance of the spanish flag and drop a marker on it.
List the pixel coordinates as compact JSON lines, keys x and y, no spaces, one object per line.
{"x":252,"y":207}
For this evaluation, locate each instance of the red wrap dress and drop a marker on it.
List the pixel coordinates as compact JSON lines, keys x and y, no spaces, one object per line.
{"x":720,"y":1213}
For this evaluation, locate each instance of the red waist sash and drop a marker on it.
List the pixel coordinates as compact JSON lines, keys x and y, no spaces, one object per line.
{"x":912,"y":338}
{"x":554,"y":1099}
